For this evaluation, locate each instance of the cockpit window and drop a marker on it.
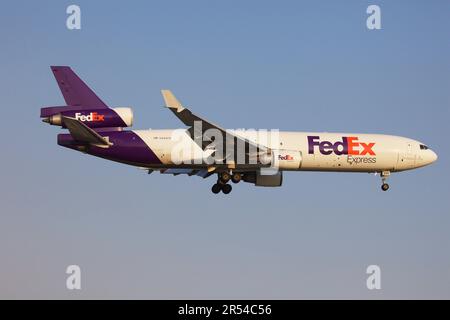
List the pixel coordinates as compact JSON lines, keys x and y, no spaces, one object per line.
{"x":423,"y":147}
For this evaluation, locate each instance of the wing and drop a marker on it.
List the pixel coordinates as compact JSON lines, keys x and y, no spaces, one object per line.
{"x":82,"y":133}
{"x":204,"y":132}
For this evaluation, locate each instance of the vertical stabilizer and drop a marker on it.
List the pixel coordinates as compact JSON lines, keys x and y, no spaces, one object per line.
{"x":75,"y":91}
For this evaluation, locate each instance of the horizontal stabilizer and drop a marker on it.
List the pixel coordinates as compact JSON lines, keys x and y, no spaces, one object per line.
{"x":82,"y":133}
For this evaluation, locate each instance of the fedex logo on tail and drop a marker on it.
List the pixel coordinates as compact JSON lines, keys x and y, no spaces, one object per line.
{"x":91,"y":117}
{"x":348,"y":146}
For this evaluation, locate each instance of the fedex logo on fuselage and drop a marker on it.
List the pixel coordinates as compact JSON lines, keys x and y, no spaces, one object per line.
{"x":286,"y":157}
{"x":348,"y":146}
{"x":91,"y":117}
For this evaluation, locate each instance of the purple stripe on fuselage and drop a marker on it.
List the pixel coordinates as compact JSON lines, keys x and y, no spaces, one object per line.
{"x":127,"y":147}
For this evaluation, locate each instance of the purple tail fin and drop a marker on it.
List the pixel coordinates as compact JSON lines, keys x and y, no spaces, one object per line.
{"x":75,"y":91}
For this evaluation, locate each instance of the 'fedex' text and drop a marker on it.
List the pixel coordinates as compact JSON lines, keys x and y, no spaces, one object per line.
{"x":348,"y":146}
{"x":91,"y":117}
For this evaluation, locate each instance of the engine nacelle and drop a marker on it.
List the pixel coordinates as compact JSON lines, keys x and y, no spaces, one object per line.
{"x":93,"y":118}
{"x":264,"y":180}
{"x":286,"y":159}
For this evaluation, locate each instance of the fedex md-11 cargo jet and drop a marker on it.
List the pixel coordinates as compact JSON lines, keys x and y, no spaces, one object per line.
{"x":204,"y":149}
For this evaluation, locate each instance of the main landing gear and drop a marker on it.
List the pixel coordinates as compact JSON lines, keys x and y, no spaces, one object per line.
{"x":384,"y":176}
{"x":222,"y":182}
{"x":216,"y":188}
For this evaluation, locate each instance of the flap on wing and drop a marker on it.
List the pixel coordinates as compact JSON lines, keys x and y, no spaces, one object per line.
{"x":191,"y":172}
{"x":176,"y":171}
{"x":82,"y":133}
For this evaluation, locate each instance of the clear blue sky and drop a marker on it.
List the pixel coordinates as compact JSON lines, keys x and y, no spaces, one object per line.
{"x":290,"y":65}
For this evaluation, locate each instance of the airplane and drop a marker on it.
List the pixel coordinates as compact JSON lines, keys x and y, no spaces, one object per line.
{"x":204,"y":149}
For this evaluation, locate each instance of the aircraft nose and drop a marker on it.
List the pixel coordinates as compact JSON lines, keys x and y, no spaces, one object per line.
{"x":429,"y":157}
{"x":433,"y":156}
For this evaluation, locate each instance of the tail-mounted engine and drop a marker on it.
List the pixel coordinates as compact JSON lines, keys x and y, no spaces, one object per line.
{"x":93,"y":118}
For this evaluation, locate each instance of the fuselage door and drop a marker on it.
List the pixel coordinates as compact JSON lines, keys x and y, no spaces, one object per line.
{"x":407,"y":159}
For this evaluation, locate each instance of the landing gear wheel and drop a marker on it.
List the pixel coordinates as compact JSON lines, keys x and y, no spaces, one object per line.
{"x":226,"y":188}
{"x":236,"y":177}
{"x":225,"y":177}
{"x":384,"y":176}
{"x":216,"y":188}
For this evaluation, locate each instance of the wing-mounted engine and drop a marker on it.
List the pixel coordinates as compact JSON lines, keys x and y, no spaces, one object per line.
{"x":264,"y":180}
{"x":93,"y":118}
{"x":286,"y":159}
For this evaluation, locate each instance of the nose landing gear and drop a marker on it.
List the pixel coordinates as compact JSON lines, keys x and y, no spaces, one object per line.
{"x":384,"y":176}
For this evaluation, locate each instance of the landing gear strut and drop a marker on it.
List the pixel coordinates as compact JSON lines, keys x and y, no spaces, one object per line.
{"x":384,"y":176}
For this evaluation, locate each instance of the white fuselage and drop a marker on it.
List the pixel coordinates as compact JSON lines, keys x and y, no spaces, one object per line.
{"x":308,"y":151}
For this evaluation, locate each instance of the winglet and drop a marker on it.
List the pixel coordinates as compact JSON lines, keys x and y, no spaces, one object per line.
{"x":171,"y":101}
